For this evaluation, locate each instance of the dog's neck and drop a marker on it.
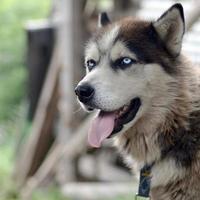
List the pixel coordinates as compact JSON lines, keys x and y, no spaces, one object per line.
{"x":141,"y":141}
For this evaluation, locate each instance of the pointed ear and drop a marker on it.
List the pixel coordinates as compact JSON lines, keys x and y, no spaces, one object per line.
{"x":171,"y":27}
{"x":103,"y":19}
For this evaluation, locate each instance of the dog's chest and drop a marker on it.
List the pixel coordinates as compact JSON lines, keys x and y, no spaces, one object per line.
{"x":184,"y":189}
{"x":134,"y":144}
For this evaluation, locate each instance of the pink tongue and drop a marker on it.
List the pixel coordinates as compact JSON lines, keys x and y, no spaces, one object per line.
{"x":102,"y":126}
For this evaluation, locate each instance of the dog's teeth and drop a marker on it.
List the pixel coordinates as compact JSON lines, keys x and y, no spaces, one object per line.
{"x":121,"y":111}
{"x":125,"y":108}
{"x":118,"y":114}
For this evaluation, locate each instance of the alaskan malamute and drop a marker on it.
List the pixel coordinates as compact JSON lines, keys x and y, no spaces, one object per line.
{"x":148,"y":99}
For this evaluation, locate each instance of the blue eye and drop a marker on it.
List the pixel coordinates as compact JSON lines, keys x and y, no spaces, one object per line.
{"x":90,"y":64}
{"x":124,"y":62}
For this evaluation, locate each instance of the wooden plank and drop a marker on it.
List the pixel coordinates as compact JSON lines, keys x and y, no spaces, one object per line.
{"x":64,"y":57}
{"x":99,"y":191}
{"x":75,"y":146}
{"x":34,"y":150}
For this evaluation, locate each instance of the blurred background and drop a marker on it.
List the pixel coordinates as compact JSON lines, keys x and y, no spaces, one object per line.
{"x":43,"y":131}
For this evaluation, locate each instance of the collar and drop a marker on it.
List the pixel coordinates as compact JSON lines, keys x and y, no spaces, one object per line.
{"x":144,"y":183}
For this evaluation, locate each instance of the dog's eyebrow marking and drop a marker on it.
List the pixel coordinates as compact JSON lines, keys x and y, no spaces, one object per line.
{"x":121,"y":50}
{"x":107,"y":40}
{"x":138,"y":52}
{"x":92,"y":51}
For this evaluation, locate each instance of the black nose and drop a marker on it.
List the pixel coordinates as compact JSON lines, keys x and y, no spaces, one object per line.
{"x":84,"y":92}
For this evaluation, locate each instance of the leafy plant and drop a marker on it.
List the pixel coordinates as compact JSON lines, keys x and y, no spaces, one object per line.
{"x":13,"y":16}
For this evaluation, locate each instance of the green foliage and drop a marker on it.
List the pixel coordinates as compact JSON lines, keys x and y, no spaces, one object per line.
{"x":126,"y":198}
{"x":13,"y":16}
{"x":53,"y":194}
{"x":5,"y":164}
{"x":13,"y":74}
{"x":8,"y":189}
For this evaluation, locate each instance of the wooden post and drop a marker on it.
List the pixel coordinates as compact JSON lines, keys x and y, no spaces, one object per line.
{"x":60,"y":79}
{"x":71,"y":71}
{"x":34,"y":151}
{"x":40,"y":42}
{"x":75,"y":146}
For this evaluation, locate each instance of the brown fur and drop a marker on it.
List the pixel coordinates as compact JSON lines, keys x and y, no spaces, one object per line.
{"x":144,"y":138}
{"x":168,"y":133}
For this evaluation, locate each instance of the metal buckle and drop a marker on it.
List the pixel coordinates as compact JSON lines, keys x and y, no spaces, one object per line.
{"x":137,"y":197}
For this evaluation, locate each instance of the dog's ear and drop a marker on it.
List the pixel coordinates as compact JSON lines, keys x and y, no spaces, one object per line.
{"x":171,"y":27}
{"x":103,"y":19}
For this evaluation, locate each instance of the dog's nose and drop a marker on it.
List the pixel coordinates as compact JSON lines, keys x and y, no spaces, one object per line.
{"x":84,"y":92}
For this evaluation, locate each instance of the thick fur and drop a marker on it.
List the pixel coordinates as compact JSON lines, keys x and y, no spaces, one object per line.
{"x":166,"y":129}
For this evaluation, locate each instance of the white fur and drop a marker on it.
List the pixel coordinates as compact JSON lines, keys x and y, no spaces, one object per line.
{"x":165,"y":172}
{"x":106,"y":41}
{"x":92,"y":52}
{"x":120,"y":50}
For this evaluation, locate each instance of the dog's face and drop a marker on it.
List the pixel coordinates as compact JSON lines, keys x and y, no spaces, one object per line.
{"x":129,"y":64}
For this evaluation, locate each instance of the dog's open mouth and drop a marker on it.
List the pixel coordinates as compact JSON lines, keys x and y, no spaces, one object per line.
{"x":106,"y":124}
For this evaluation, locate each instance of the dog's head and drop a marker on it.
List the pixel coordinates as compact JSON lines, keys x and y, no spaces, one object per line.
{"x":129,"y":64}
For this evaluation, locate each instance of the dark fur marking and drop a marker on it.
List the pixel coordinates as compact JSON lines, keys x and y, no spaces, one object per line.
{"x":142,"y":39}
{"x":104,"y":19}
{"x":181,"y":144}
{"x":118,"y":65}
{"x":126,"y":144}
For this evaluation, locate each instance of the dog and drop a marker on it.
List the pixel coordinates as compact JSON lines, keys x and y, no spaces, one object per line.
{"x":147,"y":96}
